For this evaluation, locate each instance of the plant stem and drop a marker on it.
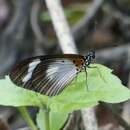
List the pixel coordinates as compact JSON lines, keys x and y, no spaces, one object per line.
{"x":61,"y":27}
{"x":27,"y":117}
{"x":46,"y":119}
{"x":43,"y":119}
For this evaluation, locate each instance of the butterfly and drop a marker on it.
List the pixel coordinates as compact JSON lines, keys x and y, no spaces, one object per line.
{"x":49,"y":74}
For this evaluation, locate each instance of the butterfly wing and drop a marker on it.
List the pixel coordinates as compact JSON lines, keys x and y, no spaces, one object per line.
{"x":48,"y":76}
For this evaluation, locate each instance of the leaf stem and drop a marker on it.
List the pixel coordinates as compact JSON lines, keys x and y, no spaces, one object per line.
{"x":46,"y":119}
{"x":43,"y":119}
{"x":27,"y":117}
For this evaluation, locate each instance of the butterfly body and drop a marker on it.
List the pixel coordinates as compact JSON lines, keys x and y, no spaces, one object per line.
{"x":49,"y":74}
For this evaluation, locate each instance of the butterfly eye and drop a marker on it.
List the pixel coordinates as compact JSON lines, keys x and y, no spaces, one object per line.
{"x":93,"y":56}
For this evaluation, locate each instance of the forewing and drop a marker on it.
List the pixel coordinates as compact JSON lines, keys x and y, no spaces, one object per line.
{"x":52,"y":76}
{"x":23,"y":71}
{"x":49,"y":76}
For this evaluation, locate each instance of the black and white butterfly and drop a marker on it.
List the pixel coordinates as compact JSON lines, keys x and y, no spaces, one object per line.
{"x":49,"y":74}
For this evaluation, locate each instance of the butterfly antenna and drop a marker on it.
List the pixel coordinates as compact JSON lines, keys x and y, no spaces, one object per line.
{"x":76,"y":80}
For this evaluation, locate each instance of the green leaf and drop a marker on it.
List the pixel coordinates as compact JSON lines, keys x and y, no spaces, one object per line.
{"x":48,"y":120}
{"x":103,"y":86}
{"x":57,"y":120}
{"x":12,"y":95}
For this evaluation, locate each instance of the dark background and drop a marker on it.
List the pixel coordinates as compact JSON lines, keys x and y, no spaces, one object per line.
{"x":26,"y":30}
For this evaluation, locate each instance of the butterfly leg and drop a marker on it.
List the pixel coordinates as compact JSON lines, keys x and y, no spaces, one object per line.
{"x":86,"y":79}
{"x":76,"y":80}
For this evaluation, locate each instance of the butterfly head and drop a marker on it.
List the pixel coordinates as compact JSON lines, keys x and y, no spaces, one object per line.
{"x":89,"y":57}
